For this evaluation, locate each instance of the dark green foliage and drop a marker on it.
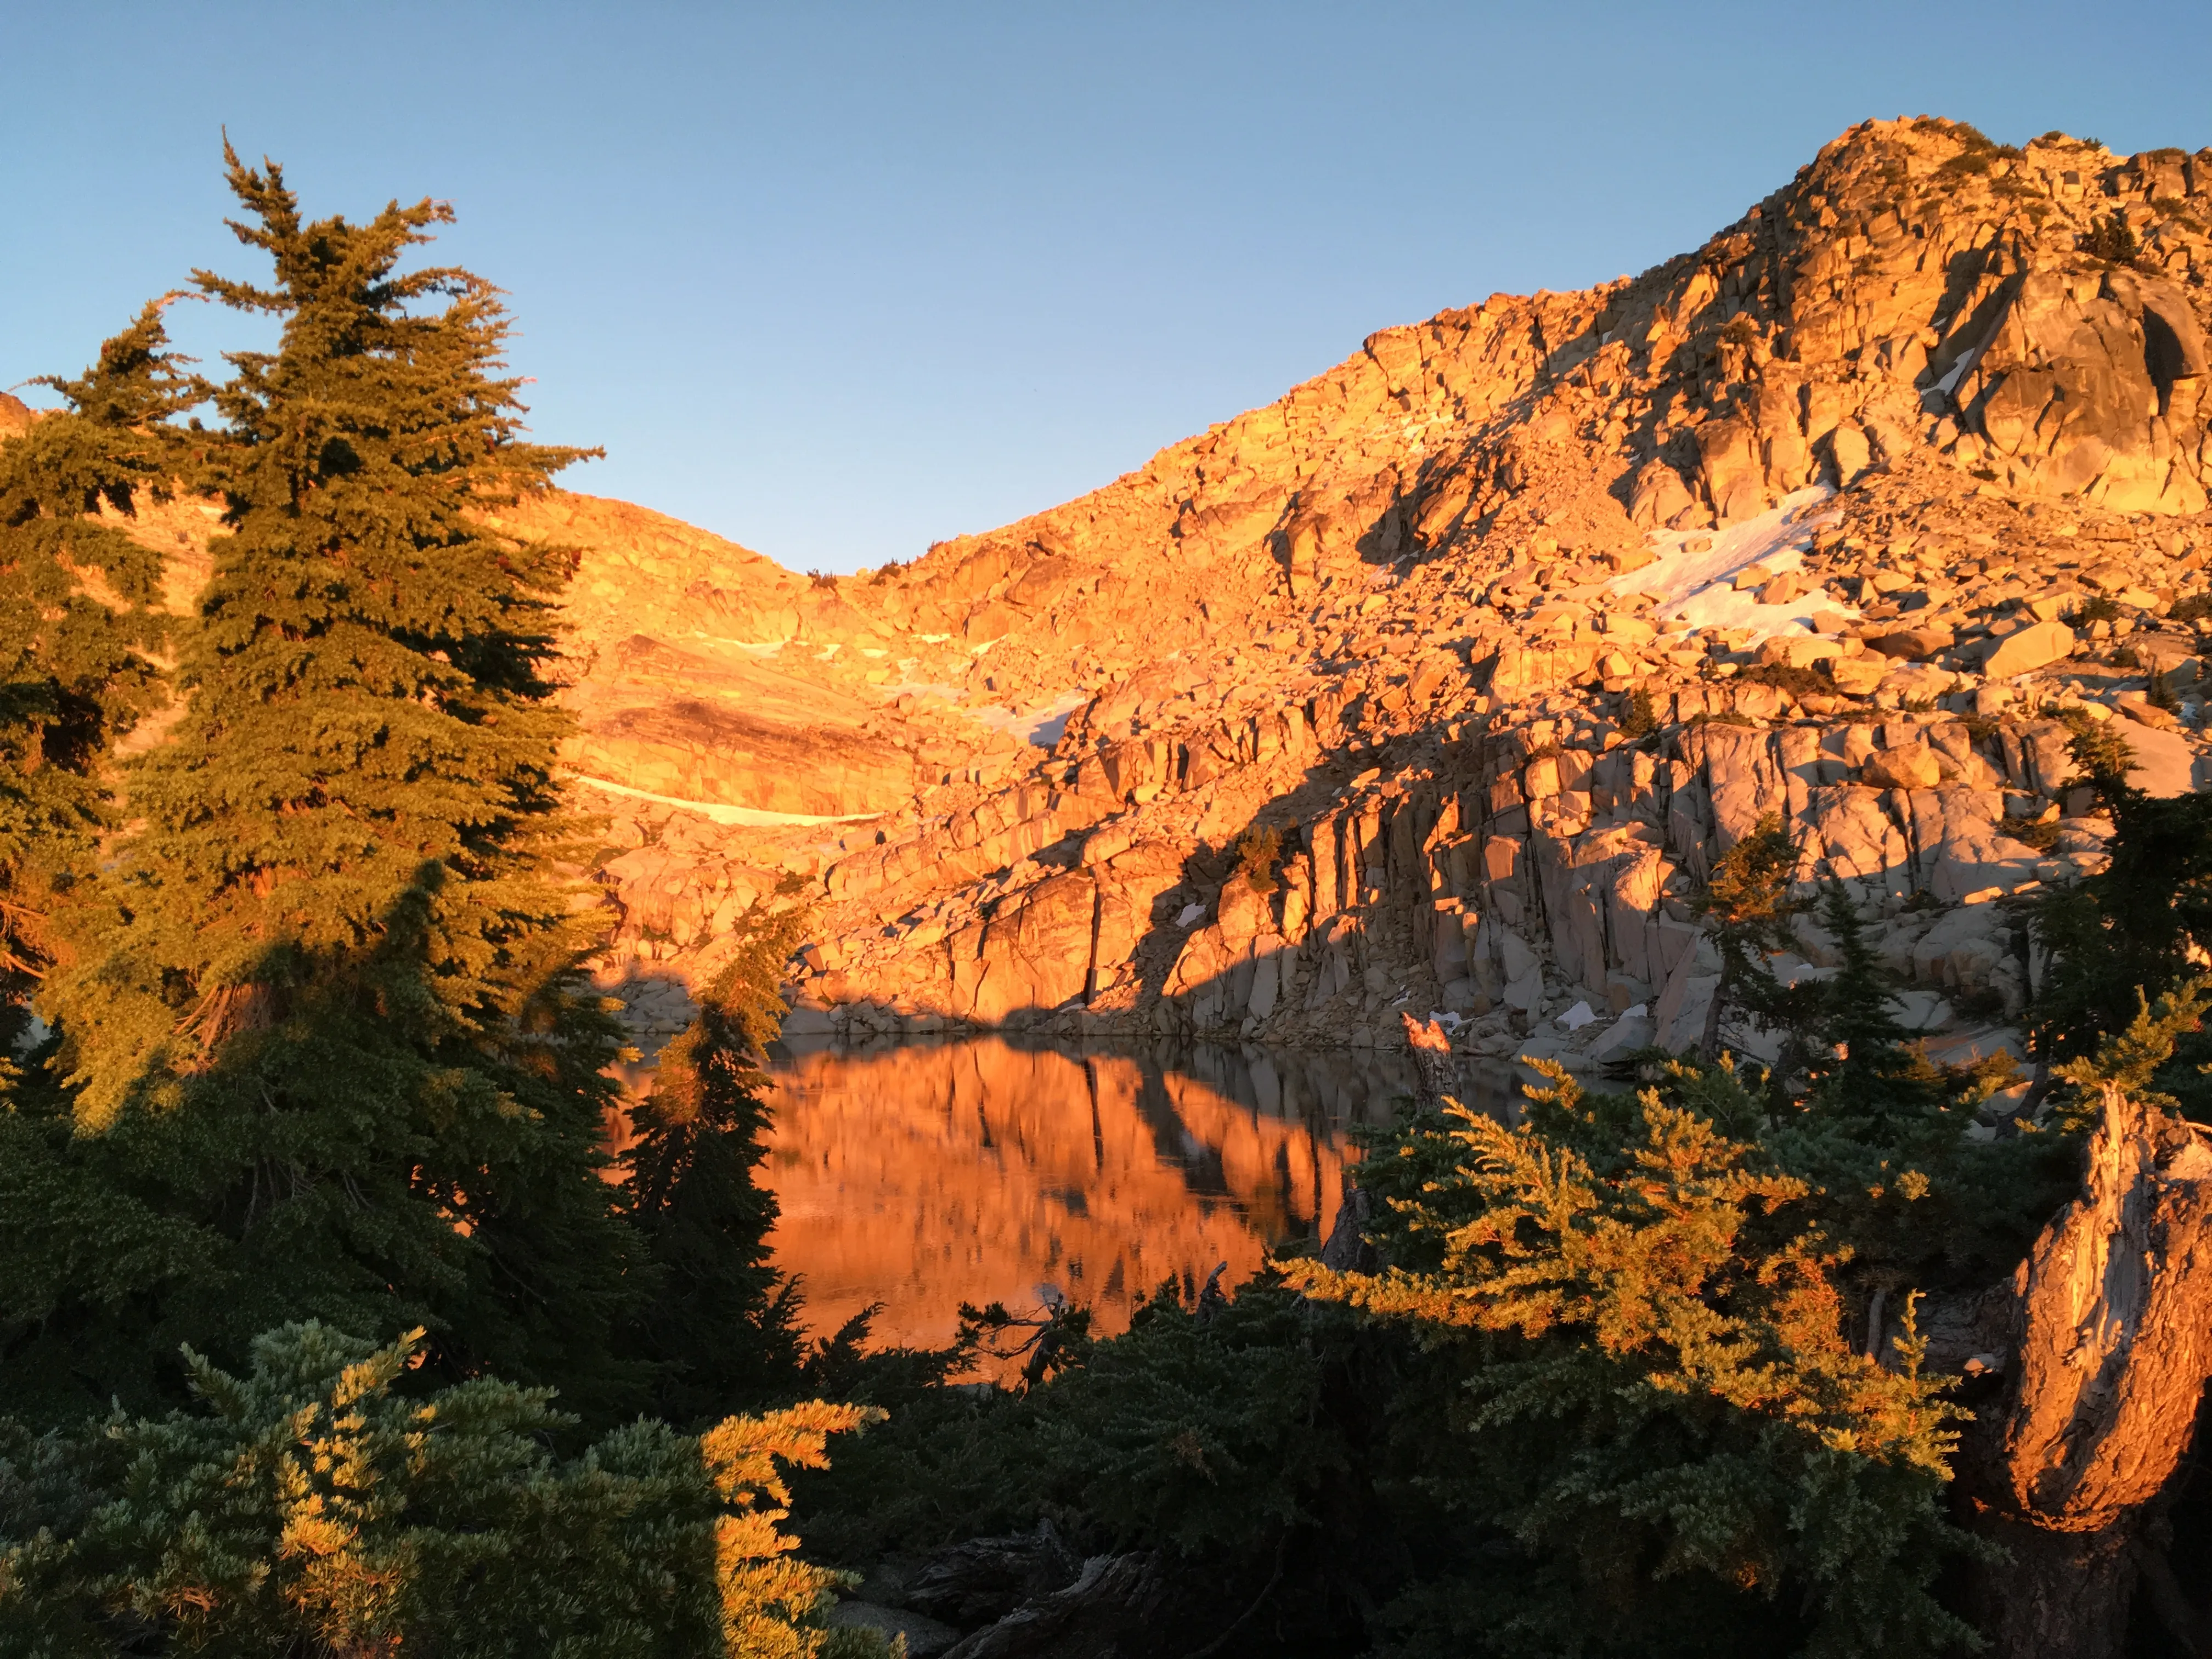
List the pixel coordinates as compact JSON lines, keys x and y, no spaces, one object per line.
{"x":2099,"y":750}
{"x":1186,"y":1432}
{"x":2101,"y":607}
{"x":1857,"y":1066}
{"x":2111,"y":240}
{"x":1980,"y":150}
{"x":1639,"y":718}
{"x":1043,"y":1344}
{"x":720,"y":1322}
{"x":2191,"y":608}
{"x":2128,"y":932}
{"x":1660,"y":1421}
{"x":2139,"y":1059}
{"x":1798,"y":682}
{"x":1647,"y":1301}
{"x":1880,"y":1131}
{"x":1244,"y":1437}
{"x":327,"y":1052}
{"x":307,"y":1507}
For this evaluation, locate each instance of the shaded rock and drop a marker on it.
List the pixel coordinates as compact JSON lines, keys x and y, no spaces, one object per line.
{"x":926,"y":1638}
{"x":984,"y":1579}
{"x":1913,"y":644}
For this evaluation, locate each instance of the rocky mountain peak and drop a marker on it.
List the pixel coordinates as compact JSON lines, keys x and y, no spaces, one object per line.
{"x":1437,"y":683}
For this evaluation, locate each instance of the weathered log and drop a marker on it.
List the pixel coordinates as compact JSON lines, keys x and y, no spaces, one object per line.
{"x":1122,"y":1606}
{"x":2113,"y":1331}
{"x":1346,"y":1250}
{"x":1432,"y":1059}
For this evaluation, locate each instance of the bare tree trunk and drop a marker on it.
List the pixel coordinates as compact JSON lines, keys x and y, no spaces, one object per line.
{"x":1432,"y":1059}
{"x":1709,"y":1043}
{"x":2112,"y":1327}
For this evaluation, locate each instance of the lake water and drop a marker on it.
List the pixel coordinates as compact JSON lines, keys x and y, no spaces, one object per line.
{"x":922,"y":1175}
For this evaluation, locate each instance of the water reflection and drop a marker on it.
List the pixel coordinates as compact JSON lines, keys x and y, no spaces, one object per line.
{"x":922,"y":1175}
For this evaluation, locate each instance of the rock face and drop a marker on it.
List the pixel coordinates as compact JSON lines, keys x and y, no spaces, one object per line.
{"x":2110,"y":1359}
{"x":1439,"y":683}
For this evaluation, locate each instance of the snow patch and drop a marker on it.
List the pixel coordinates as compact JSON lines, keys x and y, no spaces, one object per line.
{"x":1041,"y":726}
{"x":1693,"y":587}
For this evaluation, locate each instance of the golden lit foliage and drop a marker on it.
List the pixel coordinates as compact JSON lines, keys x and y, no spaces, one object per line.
{"x":1680,"y":1265}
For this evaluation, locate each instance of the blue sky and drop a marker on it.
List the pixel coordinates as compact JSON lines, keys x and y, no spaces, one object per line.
{"x":837,"y":281}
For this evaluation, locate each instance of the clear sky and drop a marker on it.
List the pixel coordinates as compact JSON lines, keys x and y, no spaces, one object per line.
{"x":840,"y":280}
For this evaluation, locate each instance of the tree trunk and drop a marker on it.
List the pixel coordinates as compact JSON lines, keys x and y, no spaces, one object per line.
{"x":2112,"y":1328}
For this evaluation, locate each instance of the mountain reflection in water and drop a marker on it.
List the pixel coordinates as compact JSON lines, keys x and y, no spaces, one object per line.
{"x":921,"y":1175}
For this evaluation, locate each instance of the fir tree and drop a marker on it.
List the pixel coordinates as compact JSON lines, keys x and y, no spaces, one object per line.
{"x":81,"y":624}
{"x":1863,"y":1073}
{"x":721,"y":1322}
{"x":1664,"y":1413}
{"x":330,"y":1054}
{"x":2135,"y":929}
{"x":311,"y":1505}
{"x":1747,"y":908}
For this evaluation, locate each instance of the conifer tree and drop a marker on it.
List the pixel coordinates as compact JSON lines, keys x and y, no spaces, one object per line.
{"x":720,"y":1323}
{"x":1670,"y":1420}
{"x":2137,"y":928}
{"x":1748,"y":907}
{"x":312,"y":1505}
{"x":330,"y":1054}
{"x":1863,"y":1073}
{"x":81,"y":623}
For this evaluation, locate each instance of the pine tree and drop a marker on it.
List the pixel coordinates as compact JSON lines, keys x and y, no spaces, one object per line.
{"x":81,"y":624}
{"x":330,"y":1052}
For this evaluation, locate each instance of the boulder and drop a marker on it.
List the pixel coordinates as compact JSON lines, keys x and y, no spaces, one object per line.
{"x":1902,"y":768}
{"x":2165,"y":764}
{"x":1912,"y":644}
{"x":1660,"y":497}
{"x":2070,"y":390}
{"x":1800,"y":650}
{"x":1857,"y":676}
{"x":2027,"y":649}
{"x":1963,"y":948}
{"x":983,"y":1579}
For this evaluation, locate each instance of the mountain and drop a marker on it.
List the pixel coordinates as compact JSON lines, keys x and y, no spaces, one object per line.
{"x":1437,"y":683}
